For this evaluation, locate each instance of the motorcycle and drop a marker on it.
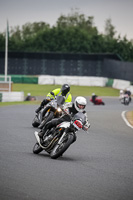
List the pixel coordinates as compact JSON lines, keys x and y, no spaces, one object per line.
{"x":50,"y":111}
{"x":57,"y":140}
{"x":98,"y":101}
{"x":125,"y":99}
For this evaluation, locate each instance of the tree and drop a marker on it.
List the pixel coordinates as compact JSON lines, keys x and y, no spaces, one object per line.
{"x":109,"y":29}
{"x":74,"y":19}
{"x":31,"y":29}
{"x":74,"y":33}
{"x":2,"y":42}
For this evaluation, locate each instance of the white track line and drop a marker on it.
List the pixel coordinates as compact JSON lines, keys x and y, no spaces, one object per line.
{"x":124,"y":118}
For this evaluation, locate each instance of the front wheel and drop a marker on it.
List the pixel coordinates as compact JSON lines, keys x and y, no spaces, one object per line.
{"x":37,"y":149}
{"x":35,"y":122}
{"x":126,"y":102}
{"x":59,"y":149}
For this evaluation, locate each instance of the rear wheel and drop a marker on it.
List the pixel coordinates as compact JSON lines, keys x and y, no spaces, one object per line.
{"x":37,"y":149}
{"x":59,"y":149}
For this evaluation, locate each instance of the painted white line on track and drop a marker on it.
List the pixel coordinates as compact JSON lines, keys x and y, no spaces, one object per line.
{"x":124,"y":118}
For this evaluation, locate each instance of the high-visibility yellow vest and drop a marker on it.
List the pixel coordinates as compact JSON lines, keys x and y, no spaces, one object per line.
{"x":57,"y":92}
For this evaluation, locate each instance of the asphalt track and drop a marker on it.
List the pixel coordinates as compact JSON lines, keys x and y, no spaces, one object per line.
{"x":98,"y":166}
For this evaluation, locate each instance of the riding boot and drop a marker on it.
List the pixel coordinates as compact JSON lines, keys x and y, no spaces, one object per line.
{"x":42,"y":132}
{"x":47,"y":127}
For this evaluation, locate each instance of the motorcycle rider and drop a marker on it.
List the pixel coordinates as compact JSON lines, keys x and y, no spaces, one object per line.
{"x":121,"y":96}
{"x":128,"y":92}
{"x":94,"y":96}
{"x":78,"y":106}
{"x":64,"y":91}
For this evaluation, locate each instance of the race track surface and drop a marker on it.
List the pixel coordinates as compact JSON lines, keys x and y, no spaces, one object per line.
{"x":98,"y":166}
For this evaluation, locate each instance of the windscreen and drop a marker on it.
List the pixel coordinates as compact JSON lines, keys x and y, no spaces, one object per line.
{"x":60,"y":100}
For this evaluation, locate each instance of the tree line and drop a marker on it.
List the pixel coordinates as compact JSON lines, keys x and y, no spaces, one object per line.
{"x":74,"y":33}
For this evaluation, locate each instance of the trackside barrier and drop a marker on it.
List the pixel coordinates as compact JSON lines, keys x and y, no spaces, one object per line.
{"x":20,"y":79}
{"x":131,"y":89}
{"x":85,"y":81}
{"x":46,"y":80}
{"x":121,"y":84}
{"x":0,"y":97}
{"x":24,"y":79}
{"x":12,"y":96}
{"x":92,"y":81}
{"x":109,"y":82}
{"x":72,"y":80}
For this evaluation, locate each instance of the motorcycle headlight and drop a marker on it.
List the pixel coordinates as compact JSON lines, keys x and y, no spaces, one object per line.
{"x":59,"y":109}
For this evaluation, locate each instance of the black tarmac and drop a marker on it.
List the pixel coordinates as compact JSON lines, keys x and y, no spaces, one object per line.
{"x":98,"y":166}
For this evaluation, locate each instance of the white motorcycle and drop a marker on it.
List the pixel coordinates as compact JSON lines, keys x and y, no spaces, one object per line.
{"x":57,"y":140}
{"x":125,"y":99}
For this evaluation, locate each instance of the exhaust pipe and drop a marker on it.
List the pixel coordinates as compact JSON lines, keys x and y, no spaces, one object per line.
{"x":38,"y":139}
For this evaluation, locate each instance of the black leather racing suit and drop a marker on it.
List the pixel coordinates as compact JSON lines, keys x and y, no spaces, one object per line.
{"x":55,"y":122}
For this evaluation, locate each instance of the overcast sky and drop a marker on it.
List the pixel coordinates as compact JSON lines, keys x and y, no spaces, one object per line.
{"x":19,"y":12}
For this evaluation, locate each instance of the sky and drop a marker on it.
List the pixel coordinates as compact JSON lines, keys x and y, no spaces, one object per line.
{"x":20,"y":12}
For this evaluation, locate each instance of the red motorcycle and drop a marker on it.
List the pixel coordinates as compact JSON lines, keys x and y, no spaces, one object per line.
{"x":98,"y":101}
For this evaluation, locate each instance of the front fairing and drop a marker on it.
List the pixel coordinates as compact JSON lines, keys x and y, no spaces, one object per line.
{"x":79,"y":116}
{"x":52,"y":105}
{"x":55,"y":104}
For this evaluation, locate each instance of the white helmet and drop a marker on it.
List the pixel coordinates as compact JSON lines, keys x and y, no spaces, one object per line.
{"x":80,"y":104}
{"x":121,"y":91}
{"x":93,"y":94}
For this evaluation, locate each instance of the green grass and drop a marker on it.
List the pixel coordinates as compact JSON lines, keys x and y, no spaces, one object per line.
{"x":42,"y":90}
{"x":19,"y":103}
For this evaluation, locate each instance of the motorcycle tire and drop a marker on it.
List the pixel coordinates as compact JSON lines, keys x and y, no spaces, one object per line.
{"x":103,"y":103}
{"x":47,"y":119}
{"x":60,"y":149}
{"x":37,"y":149}
{"x":35,"y":123}
{"x":126,"y":104}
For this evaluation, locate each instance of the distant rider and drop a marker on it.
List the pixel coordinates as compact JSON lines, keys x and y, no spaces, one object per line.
{"x":94,"y":97}
{"x":78,"y":106}
{"x":128,"y":92}
{"x":64,"y":91}
{"x":121,"y":96}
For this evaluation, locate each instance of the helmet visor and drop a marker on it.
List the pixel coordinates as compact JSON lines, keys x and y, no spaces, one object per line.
{"x":80,"y":106}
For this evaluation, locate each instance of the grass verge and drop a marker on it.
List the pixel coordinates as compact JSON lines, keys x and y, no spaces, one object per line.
{"x":129,"y":117}
{"x":43,"y":90}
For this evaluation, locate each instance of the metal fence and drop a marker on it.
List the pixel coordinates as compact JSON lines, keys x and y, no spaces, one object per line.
{"x":102,"y":65}
{"x":118,"y":70}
